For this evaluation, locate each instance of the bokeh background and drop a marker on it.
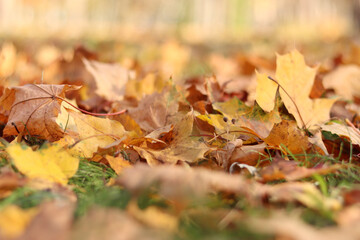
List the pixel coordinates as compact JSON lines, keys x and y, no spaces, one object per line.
{"x":193,"y":21}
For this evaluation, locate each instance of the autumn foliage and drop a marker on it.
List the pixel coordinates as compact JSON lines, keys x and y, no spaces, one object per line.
{"x":204,"y":151}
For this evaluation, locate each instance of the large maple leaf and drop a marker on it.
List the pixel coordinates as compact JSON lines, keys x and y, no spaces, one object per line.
{"x":33,"y":109}
{"x":296,"y":80}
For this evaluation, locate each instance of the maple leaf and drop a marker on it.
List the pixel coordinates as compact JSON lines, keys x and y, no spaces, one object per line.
{"x":33,"y":109}
{"x":110,"y":78}
{"x":287,"y":134}
{"x":154,"y":111}
{"x":52,"y":164}
{"x":96,"y":132}
{"x":181,"y":148}
{"x":295,"y":79}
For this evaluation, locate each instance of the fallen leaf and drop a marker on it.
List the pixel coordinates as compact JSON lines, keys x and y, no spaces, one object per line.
{"x":110,"y":78}
{"x":194,"y":183}
{"x":284,"y":226}
{"x":291,"y":171}
{"x":146,"y":86}
{"x":9,"y":181}
{"x":96,"y":132}
{"x":118,"y":163}
{"x":153,"y":217}
{"x":342,"y":131}
{"x":265,"y":90}
{"x":297,"y":79}
{"x":53,"y":221}
{"x":14,"y":220}
{"x":240,"y":119}
{"x":181,"y":147}
{"x":154,"y":111}
{"x":113,"y":223}
{"x":344,"y":80}
{"x":52,"y":164}
{"x":33,"y":109}
{"x":288,"y":137}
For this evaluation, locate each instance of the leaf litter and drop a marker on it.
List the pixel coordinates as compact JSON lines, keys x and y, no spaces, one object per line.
{"x":140,"y":154}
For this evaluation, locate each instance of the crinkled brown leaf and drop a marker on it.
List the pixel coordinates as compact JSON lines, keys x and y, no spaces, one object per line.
{"x":33,"y":109}
{"x":287,"y":136}
{"x":154,"y":111}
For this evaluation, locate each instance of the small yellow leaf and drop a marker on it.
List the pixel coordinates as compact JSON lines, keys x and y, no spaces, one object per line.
{"x":14,"y":220}
{"x":118,"y":163}
{"x":53,"y":164}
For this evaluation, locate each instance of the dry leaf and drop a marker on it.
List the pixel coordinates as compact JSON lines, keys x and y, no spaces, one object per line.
{"x":14,"y":220}
{"x":110,"y":78}
{"x":343,"y":131}
{"x":114,"y":224}
{"x":118,"y":163}
{"x":33,"y":109}
{"x":297,"y":79}
{"x":290,"y":170}
{"x":9,"y":181}
{"x":181,"y":146}
{"x":345,"y":81}
{"x":53,"y":221}
{"x":288,"y":137}
{"x":52,"y":164}
{"x":290,"y":227}
{"x":154,"y":217}
{"x":154,"y":111}
{"x":96,"y":132}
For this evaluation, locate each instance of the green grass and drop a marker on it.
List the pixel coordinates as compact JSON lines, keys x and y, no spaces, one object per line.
{"x":90,"y":187}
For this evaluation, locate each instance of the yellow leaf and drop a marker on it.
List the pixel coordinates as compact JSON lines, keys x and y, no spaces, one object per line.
{"x":53,"y":164}
{"x":118,"y":163}
{"x":96,"y":132}
{"x":265,"y":92}
{"x":154,"y":217}
{"x":14,"y":220}
{"x":297,"y":79}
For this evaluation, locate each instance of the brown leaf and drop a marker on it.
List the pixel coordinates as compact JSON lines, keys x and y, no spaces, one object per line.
{"x":290,"y":170}
{"x":110,"y":78}
{"x":113,"y":224}
{"x":292,"y":227}
{"x":154,"y":111}
{"x":181,"y":147}
{"x":287,"y":134}
{"x":9,"y":181}
{"x":35,"y":106}
{"x":52,"y":222}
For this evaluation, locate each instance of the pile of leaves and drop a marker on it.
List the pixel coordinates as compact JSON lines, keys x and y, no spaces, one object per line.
{"x":260,"y":149}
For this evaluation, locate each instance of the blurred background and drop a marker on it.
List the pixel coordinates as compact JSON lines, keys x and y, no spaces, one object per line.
{"x":193,"y":21}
